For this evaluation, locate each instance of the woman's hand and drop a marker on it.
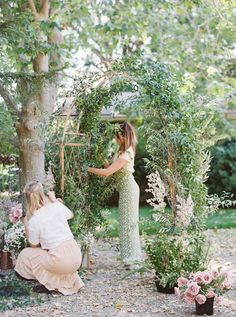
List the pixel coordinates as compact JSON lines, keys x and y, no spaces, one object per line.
{"x":90,"y":169}
{"x":24,"y":220}
{"x":106,"y":164}
{"x":52,"y":197}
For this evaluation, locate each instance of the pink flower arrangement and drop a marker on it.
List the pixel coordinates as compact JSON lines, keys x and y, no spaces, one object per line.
{"x":202,"y":285}
{"x":15,"y":213}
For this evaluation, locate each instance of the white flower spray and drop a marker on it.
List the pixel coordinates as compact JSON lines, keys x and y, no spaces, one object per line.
{"x":157,"y":188}
{"x":184,"y":211}
{"x":15,"y":239}
{"x":184,"y":207}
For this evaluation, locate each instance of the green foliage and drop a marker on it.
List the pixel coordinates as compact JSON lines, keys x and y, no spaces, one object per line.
{"x":87,"y":194}
{"x":16,"y":293}
{"x":222,"y":176}
{"x":176,"y":127}
{"x":172,"y":255}
{"x":178,"y":131}
{"x":196,"y":37}
{"x":9,"y":178}
{"x":7,"y":132}
{"x":224,"y":218}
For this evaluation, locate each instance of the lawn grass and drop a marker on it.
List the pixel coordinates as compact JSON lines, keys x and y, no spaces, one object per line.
{"x":225,"y":218}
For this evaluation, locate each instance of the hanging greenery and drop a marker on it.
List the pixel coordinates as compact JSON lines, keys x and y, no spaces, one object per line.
{"x":179,"y":129}
{"x":84,"y":193}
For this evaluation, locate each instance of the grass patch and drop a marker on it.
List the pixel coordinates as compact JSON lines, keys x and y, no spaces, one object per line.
{"x":225,"y":218}
{"x":16,"y":293}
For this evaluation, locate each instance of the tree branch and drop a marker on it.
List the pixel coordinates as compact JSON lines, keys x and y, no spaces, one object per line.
{"x":103,"y":59}
{"x":33,"y":9}
{"x":45,"y":9}
{"x":10,"y":102}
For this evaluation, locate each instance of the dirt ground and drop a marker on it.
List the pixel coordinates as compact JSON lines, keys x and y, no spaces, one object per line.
{"x":107,"y":293}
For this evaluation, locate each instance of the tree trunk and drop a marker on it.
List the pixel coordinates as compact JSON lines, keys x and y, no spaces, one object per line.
{"x":32,"y":128}
{"x":39,"y":96}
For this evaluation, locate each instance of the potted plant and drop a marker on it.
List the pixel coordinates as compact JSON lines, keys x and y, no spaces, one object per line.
{"x":170,"y":255}
{"x":202,"y":288}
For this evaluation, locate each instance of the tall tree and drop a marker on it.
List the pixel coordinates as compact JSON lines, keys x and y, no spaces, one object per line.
{"x":196,"y":37}
{"x":30,"y":43}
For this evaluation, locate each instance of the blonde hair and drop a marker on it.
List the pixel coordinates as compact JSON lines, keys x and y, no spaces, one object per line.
{"x":126,"y":130}
{"x":35,"y":197}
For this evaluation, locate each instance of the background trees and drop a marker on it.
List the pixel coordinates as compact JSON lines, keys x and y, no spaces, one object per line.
{"x":40,"y":38}
{"x":197,"y":37}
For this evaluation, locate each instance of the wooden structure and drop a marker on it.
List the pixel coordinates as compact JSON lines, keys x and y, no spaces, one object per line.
{"x":69,"y":139}
{"x":70,"y":136}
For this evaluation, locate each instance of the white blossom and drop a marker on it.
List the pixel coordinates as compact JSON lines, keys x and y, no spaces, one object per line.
{"x":88,"y":239}
{"x":15,"y":239}
{"x":157,"y":188}
{"x":184,"y":211}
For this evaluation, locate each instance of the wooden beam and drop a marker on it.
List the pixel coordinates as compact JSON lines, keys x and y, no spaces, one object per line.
{"x":74,"y":144}
{"x":230,"y":115}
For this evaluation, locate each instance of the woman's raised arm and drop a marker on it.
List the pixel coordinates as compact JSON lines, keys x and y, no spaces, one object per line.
{"x":111,"y":169}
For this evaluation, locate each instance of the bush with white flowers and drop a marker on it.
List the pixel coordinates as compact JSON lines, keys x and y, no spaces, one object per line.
{"x":15,"y":239}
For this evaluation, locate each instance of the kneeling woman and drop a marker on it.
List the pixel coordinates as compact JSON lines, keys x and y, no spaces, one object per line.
{"x":53,"y":256}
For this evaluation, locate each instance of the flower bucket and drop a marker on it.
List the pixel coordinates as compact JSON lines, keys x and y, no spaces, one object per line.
{"x":5,"y":261}
{"x":206,"y":308}
{"x":167,"y":289}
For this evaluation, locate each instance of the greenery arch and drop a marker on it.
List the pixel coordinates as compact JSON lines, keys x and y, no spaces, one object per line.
{"x":178,"y":132}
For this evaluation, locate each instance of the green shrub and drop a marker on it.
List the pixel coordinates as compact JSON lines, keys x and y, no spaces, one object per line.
{"x":16,"y":293}
{"x":222,"y":175}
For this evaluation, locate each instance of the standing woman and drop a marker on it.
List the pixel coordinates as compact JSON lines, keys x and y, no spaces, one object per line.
{"x":53,"y":257}
{"x":123,"y":167}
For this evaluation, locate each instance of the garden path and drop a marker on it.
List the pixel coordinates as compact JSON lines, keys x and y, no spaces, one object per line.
{"x":107,"y":294}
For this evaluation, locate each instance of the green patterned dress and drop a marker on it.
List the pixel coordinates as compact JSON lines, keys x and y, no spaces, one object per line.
{"x":128,"y":209}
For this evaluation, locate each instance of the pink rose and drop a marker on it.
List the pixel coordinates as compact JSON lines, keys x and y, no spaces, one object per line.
{"x":182,"y":281}
{"x":12,"y":218}
{"x":200,"y":299}
{"x":215,"y":274}
{"x":193,"y":288}
{"x":177,"y":292}
{"x":225,"y":275}
{"x":198,"y":277}
{"x":17,"y":212}
{"x":227,"y":285}
{"x":207,"y":277}
{"x":189,"y":298}
{"x":210,"y":294}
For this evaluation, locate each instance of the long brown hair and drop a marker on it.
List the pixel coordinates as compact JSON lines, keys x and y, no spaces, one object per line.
{"x":126,"y":130}
{"x":35,"y":197}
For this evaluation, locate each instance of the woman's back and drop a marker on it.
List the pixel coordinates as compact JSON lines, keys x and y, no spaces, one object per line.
{"x":49,"y":227}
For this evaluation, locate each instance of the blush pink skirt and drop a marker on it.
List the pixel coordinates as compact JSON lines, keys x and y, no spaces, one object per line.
{"x":55,"y":269}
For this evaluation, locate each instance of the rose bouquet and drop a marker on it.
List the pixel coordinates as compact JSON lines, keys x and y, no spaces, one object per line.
{"x":203,"y":286}
{"x":15,"y":213}
{"x":13,"y":238}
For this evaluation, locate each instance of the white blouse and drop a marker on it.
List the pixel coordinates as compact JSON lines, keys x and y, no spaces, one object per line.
{"x":49,"y":227}
{"x":128,"y":155}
